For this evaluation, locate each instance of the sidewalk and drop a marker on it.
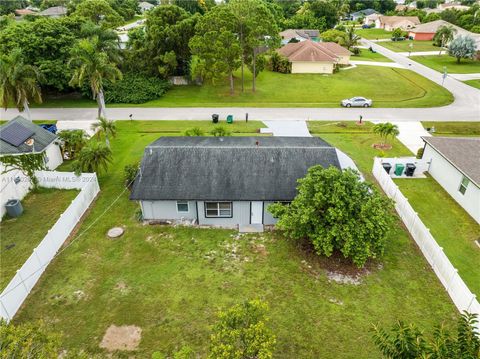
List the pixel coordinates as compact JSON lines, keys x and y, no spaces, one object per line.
{"x":423,"y":53}
{"x":377,"y":63}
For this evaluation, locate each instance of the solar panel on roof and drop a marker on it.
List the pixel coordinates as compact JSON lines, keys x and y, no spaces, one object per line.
{"x":15,"y":134}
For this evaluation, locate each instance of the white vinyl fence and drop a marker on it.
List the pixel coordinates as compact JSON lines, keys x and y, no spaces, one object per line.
{"x":462,"y":297}
{"x":27,"y":276}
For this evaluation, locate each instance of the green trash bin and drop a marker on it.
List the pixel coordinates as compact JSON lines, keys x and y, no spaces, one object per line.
{"x":399,"y":169}
{"x":230,"y":119}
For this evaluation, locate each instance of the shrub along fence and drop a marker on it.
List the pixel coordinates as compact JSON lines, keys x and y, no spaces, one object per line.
{"x":27,"y":276}
{"x":462,"y":297}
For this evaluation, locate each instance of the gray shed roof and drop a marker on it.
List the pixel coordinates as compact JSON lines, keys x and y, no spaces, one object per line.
{"x":42,"y":138}
{"x":462,"y":152}
{"x":228,"y":168}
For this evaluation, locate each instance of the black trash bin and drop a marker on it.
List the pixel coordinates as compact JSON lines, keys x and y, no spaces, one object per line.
{"x":387,"y":167}
{"x":215,"y":118}
{"x":410,"y":169}
{"x":14,"y":208}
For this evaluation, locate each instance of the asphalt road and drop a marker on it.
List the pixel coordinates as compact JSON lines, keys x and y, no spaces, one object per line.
{"x":466,"y":106}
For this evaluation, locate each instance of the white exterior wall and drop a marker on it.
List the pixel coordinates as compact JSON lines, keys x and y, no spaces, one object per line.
{"x":449,"y":177}
{"x":11,"y":190}
{"x":267,"y":216}
{"x":344,"y":60}
{"x":309,"y":67}
{"x":240,"y":215}
{"x":167,"y":210}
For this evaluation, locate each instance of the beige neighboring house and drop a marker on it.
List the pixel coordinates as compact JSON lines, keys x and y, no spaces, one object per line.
{"x":299,"y":35}
{"x":428,"y":30}
{"x":55,"y":11}
{"x":390,"y":23}
{"x":308,"y":57}
{"x":371,"y":19}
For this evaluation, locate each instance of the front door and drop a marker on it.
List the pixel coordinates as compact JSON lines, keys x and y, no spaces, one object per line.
{"x":256,"y":212}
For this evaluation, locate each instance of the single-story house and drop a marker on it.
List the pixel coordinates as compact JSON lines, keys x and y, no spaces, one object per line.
{"x":310,"y":57}
{"x":390,"y":23}
{"x":455,"y":165}
{"x":361,"y":14}
{"x":55,"y":11}
{"x":145,"y":6}
{"x":427,"y":31}
{"x":224,"y":181}
{"x":20,"y":136}
{"x":370,"y":19}
{"x":299,"y":35}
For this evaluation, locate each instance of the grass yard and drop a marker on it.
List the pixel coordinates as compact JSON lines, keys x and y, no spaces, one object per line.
{"x":19,"y":236}
{"x":374,"y":34}
{"x":406,"y":89}
{"x":172,"y":281}
{"x":454,"y":128}
{"x":438,"y":62}
{"x":473,"y":83}
{"x":452,"y":227}
{"x":367,"y":55}
{"x":404,"y":46}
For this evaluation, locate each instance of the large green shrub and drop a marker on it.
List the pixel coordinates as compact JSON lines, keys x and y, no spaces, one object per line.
{"x":135,"y":88}
{"x":279,"y":63}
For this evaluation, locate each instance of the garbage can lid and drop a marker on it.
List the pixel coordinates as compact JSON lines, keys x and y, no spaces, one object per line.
{"x":411,"y":165}
{"x":12,"y":202}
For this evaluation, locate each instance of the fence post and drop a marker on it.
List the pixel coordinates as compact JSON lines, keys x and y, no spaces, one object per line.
{"x":9,"y":318}
{"x":471,"y":301}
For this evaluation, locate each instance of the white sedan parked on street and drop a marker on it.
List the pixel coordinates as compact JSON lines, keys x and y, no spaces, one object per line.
{"x":357,"y":102}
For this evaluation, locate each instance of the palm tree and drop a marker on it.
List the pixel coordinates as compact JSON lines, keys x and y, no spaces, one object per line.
{"x":195,"y":131}
{"x":444,"y":35}
{"x":385,"y":130}
{"x":350,"y":38}
{"x":105,"y":127}
{"x":93,"y":67}
{"x":94,"y":157}
{"x":73,"y":141}
{"x":107,"y":40}
{"x":19,"y":82}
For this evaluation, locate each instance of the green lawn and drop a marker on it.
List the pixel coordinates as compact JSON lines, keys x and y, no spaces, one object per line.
{"x":405,"y":89}
{"x":404,"y":46}
{"x":374,"y":34}
{"x":367,"y":55}
{"x":473,"y":83}
{"x":172,"y":281}
{"x":438,"y":62}
{"x":19,"y":236}
{"x":450,"y":225}
{"x":454,"y":128}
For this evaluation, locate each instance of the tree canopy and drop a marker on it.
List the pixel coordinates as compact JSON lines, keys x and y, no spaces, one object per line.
{"x":337,"y":212}
{"x":462,"y":47}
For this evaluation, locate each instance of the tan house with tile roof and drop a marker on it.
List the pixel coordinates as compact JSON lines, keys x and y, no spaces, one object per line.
{"x":390,"y":23}
{"x":308,"y":57}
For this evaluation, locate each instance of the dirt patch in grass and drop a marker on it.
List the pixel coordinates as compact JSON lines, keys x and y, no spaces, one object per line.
{"x":382,"y":146}
{"x":125,"y":337}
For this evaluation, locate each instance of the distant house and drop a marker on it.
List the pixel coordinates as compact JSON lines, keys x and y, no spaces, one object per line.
{"x":390,"y":23}
{"x":427,"y":31}
{"x":455,"y":165}
{"x":299,"y":35}
{"x":361,"y":14}
{"x":23,"y":12}
{"x":20,"y":136}
{"x":145,"y":6}
{"x":310,"y":57}
{"x":224,"y":181}
{"x":55,"y":11}
{"x":370,"y":19}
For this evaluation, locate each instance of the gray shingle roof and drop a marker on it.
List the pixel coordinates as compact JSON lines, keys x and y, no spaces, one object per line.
{"x":462,"y":152}
{"x":228,"y":168}
{"x":42,"y":138}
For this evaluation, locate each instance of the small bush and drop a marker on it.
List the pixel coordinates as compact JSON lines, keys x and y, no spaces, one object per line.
{"x":130,"y":173}
{"x":356,"y":51}
{"x":220,"y":131}
{"x":420,"y":153}
{"x":134,"y":88}
{"x":195,"y":131}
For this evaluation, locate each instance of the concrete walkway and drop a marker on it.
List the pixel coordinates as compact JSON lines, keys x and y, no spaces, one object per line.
{"x":76,"y":125}
{"x":422,"y":53}
{"x":465,"y":77}
{"x":378,"y":63}
{"x":288,"y":128}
